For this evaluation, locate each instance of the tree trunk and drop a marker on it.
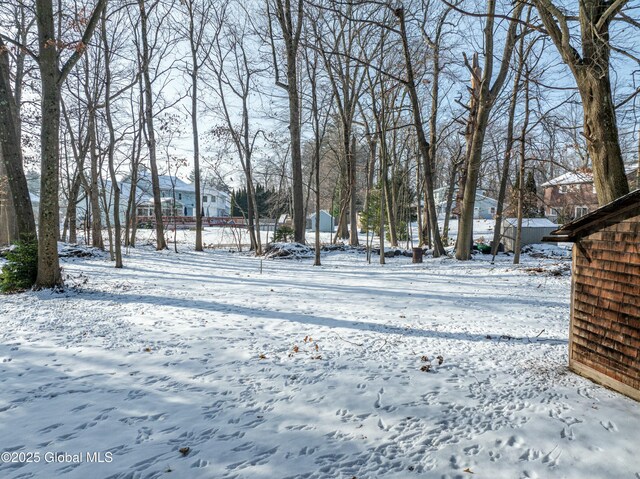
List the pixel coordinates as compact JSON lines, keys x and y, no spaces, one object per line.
{"x":8,"y":227}
{"x":353,"y":197}
{"x":132,"y":207}
{"x":196,"y":146}
{"x":487,"y":95}
{"x":438,"y":248}
{"x":116,"y":243}
{"x":49,"y":275}
{"x":151,"y":136}
{"x":11,"y":156}
{"x":296,"y":150}
{"x":506,"y":165}
{"x":342,"y":232}
{"x":601,"y":131}
{"x":383,"y":200}
{"x":291,"y":31}
{"x":591,"y":71}
{"x":419,"y":196}
{"x":72,"y":208}
{"x":96,"y":217}
{"x":451,"y":187}
{"x":521,"y":182}
{"x":317,"y":168}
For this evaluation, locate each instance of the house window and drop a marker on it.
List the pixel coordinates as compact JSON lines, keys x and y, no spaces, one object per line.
{"x":581,"y":211}
{"x":563,"y":189}
{"x":213,"y":199}
{"x":179,"y":196}
{"x":204,"y":199}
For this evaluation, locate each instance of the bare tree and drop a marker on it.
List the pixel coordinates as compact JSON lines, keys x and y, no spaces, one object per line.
{"x":234,"y":72}
{"x":423,"y":144}
{"x":146,"y":53}
{"x":337,"y":37}
{"x":506,"y":164}
{"x":486,"y":96}
{"x":116,"y":244}
{"x":52,"y":77}
{"x":198,"y":15}
{"x":590,"y":69}
{"x":289,"y":17}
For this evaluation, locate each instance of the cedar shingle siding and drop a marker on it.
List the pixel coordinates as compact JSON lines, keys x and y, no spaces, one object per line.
{"x":604,"y":342}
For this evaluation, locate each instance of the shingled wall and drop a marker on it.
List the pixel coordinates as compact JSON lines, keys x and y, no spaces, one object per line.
{"x":605,"y":317}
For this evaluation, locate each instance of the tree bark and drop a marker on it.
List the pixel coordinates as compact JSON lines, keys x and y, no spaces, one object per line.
{"x":8,"y":227}
{"x":49,"y":274}
{"x":521,"y":172}
{"x":96,"y":218}
{"x":17,"y":191}
{"x":601,"y":131}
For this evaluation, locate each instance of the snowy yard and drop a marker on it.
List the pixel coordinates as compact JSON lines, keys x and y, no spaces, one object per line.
{"x":303,"y":372}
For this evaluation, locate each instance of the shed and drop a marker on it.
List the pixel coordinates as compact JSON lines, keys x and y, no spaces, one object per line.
{"x":533,"y":230}
{"x":604,"y":336}
{"x":327,"y":222}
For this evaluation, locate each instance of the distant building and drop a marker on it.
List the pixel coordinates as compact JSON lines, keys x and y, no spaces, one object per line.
{"x":533,"y":230}
{"x":178,"y":198}
{"x":484,"y":208}
{"x":327,"y":222}
{"x":573,"y":194}
{"x":215,"y":202}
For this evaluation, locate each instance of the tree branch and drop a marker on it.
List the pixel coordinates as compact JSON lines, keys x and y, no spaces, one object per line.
{"x":88,"y":33}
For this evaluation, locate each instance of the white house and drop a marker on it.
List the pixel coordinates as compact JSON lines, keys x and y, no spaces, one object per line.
{"x":215,"y":202}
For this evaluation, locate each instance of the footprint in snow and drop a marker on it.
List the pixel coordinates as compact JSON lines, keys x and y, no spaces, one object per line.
{"x":609,"y":426}
{"x":515,"y":441}
{"x":378,"y":403}
{"x":531,"y":455}
{"x":567,"y":433}
{"x":472,"y":450}
{"x":200,"y":463}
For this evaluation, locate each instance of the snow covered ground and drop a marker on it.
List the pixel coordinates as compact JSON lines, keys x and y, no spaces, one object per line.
{"x":231,"y":237}
{"x":278,"y":369}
